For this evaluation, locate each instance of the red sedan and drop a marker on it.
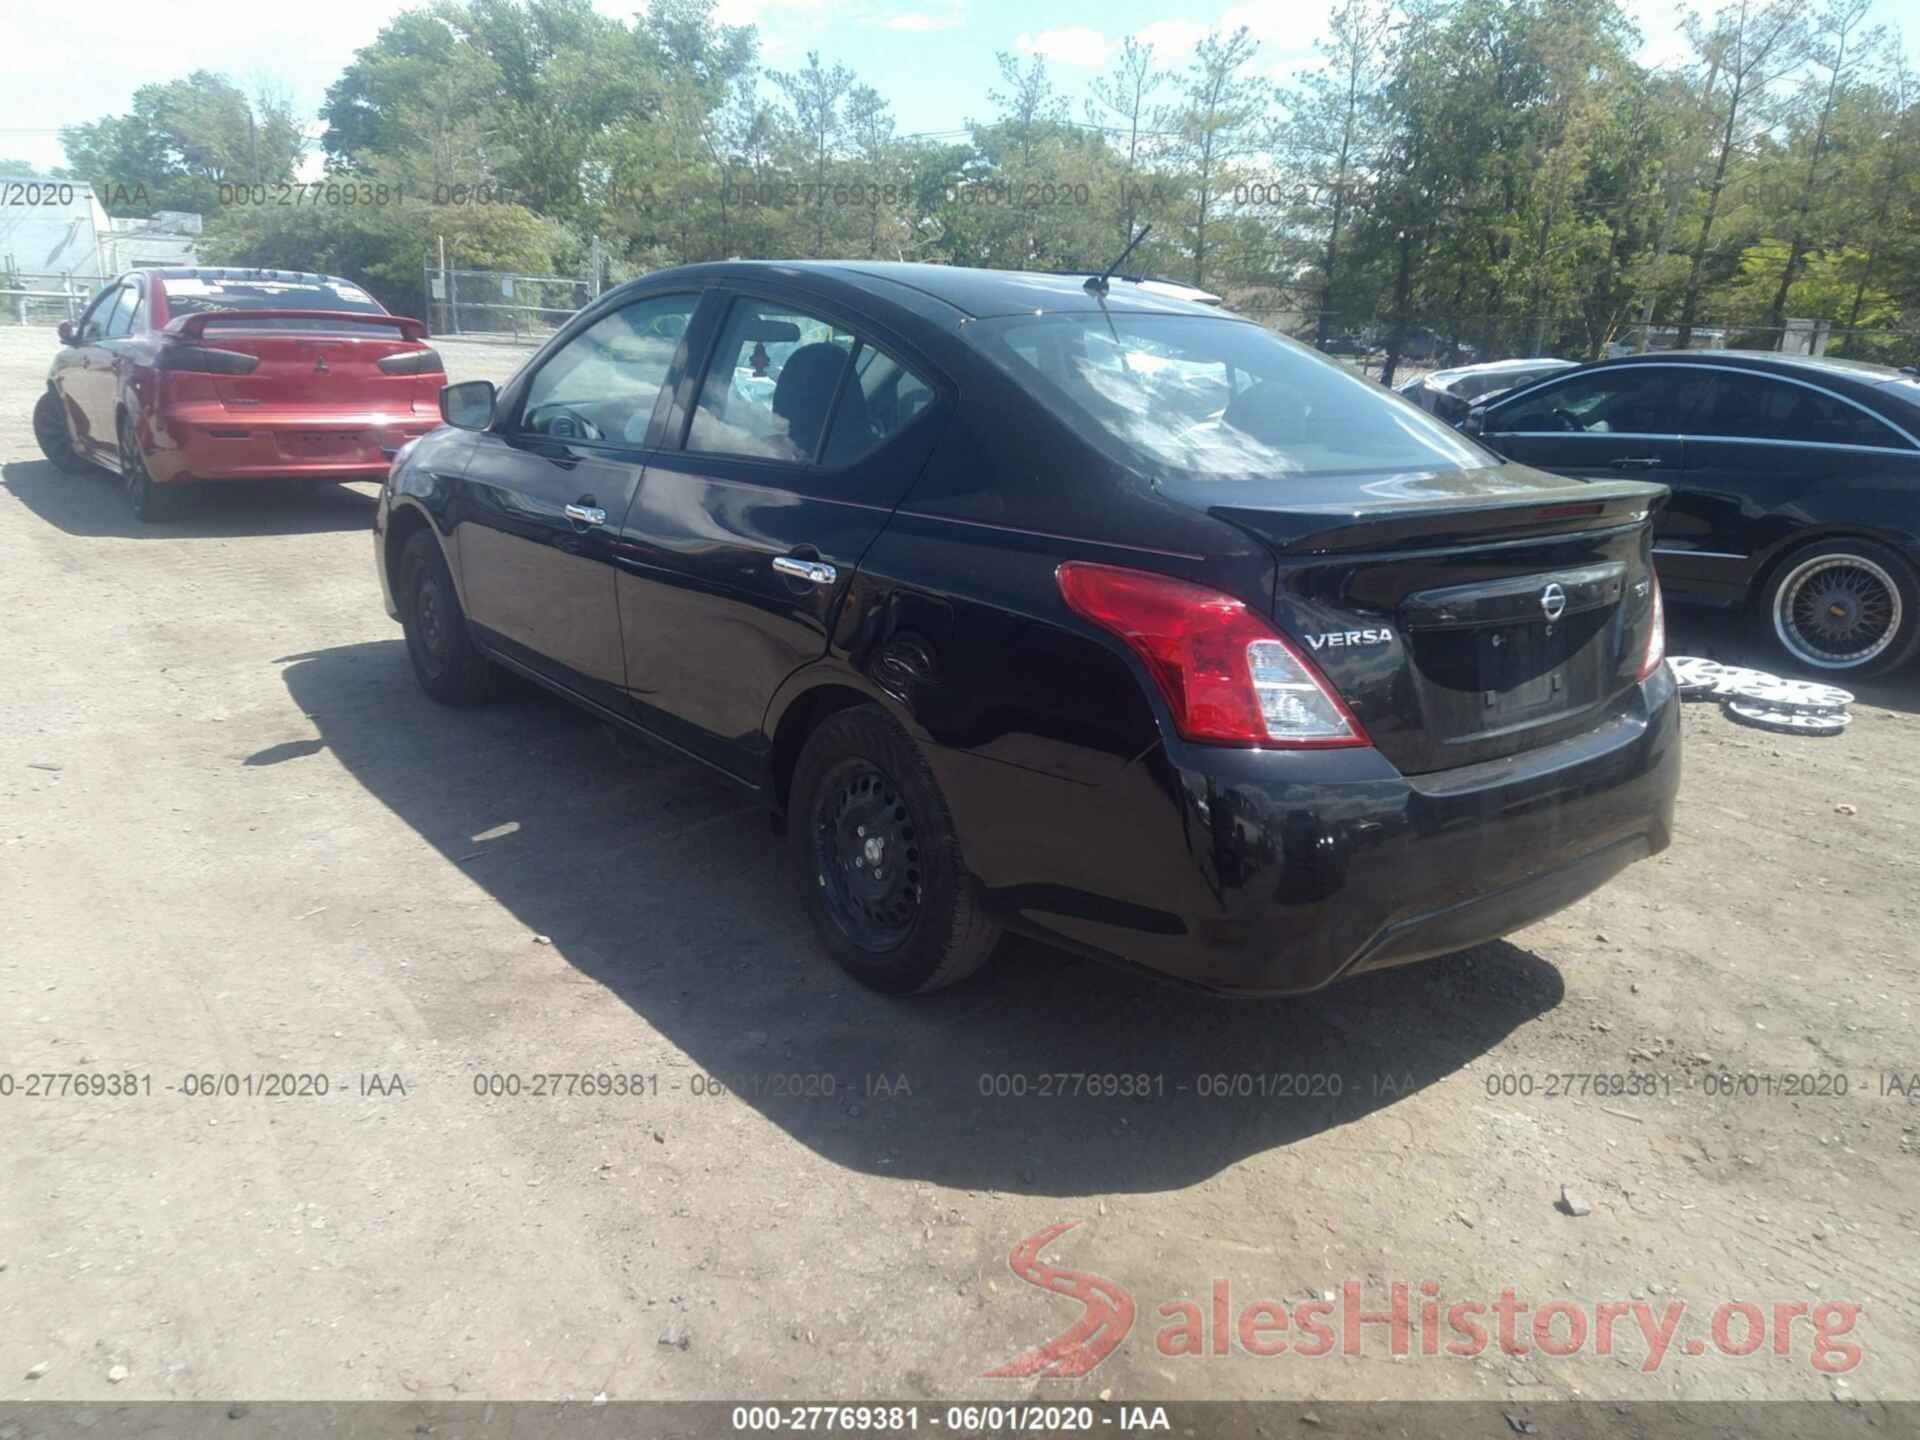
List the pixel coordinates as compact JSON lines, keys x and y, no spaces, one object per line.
{"x":178,"y":375}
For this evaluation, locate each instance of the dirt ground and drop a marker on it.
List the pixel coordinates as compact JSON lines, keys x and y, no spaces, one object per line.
{"x":236,"y":840}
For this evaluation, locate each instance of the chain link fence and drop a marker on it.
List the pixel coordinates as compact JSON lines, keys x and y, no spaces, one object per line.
{"x":41,"y":298}
{"x":501,"y":305}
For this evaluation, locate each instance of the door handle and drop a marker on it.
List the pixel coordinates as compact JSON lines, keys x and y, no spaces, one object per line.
{"x":587,"y":514}
{"x":817,"y":572}
{"x":1637,"y":462}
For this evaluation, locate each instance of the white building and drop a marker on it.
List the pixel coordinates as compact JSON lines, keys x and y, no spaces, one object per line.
{"x":57,"y":245}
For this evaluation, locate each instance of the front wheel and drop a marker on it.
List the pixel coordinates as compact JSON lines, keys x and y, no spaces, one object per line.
{"x":1845,"y":607}
{"x":875,"y":851}
{"x":448,"y":665}
{"x":50,"y":429}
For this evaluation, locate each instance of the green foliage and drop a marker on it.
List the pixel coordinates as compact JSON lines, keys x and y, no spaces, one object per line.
{"x":181,"y":140}
{"x":1501,"y":172}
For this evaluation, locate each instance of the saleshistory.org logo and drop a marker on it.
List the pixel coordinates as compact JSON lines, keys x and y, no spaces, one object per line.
{"x":1409,"y":1326}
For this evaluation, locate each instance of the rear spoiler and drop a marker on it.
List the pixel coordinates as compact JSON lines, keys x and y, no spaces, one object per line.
{"x":194,"y":327}
{"x":1319,"y":529}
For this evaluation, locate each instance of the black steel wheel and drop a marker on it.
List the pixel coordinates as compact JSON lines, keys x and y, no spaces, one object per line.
{"x":866,"y":848}
{"x":1846,"y":606}
{"x":875,"y":849}
{"x":445,"y":661}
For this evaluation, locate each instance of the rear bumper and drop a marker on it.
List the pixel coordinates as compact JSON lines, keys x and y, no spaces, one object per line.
{"x":1266,"y":872}
{"x":216,"y":442}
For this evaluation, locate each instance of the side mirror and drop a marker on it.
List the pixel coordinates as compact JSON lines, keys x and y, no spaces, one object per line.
{"x":66,"y":333}
{"x":1476,"y":421}
{"x":468,"y":405}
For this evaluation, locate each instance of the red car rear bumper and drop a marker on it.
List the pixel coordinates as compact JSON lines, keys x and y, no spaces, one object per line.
{"x":219,"y":442}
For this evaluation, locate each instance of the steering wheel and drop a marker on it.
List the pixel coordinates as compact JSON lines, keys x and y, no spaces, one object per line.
{"x":559,"y":423}
{"x":1565,"y":419}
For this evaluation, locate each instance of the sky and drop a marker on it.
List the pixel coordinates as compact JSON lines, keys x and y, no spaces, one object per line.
{"x":933,"y":59}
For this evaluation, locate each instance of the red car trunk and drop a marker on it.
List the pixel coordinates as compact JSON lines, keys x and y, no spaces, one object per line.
{"x":314,"y":359}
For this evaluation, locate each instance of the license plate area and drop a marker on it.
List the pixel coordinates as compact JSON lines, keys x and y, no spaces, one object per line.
{"x":1522,"y":672}
{"x":323,"y":444}
{"x":1484,"y":680}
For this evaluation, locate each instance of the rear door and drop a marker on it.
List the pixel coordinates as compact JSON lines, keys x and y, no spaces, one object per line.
{"x":1623,"y":422}
{"x":87,"y":375}
{"x":543,"y":495}
{"x":792,"y":443}
{"x":1767,"y":456}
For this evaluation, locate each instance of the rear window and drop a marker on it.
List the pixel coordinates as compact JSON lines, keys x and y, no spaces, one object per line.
{"x":200,"y":296}
{"x":1217,"y":398}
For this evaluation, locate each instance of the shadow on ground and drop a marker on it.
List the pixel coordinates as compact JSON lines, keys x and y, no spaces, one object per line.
{"x":90,"y":504}
{"x":664,"y":884}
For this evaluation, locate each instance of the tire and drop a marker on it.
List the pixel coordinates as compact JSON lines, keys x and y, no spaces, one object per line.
{"x":50,"y":428}
{"x":448,"y":665}
{"x":1845,"y":607}
{"x":875,"y":852}
{"x":150,"y":503}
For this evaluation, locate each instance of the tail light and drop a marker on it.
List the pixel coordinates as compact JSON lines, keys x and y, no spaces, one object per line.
{"x":204,"y":360}
{"x":1229,"y":678}
{"x":1656,"y":637}
{"x":413,"y":362}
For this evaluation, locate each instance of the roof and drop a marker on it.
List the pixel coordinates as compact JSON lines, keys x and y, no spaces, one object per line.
{"x":1832,"y":367}
{"x":236,"y":272}
{"x":975,"y":294}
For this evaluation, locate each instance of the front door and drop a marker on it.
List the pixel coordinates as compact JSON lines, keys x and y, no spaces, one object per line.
{"x":1765,"y":452}
{"x":544,"y":492}
{"x":792,"y":445}
{"x":1622,"y":423}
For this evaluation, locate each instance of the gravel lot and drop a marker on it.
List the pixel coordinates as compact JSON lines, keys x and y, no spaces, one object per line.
{"x":236,"y":839}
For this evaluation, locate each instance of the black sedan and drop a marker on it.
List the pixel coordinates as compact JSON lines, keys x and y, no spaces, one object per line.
{"x":1039,"y":604}
{"x":1796,"y":485}
{"x":1452,"y":394}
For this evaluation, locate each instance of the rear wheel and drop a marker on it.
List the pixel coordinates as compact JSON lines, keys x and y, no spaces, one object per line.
{"x":148,"y":502}
{"x":876,"y":853}
{"x":448,"y":665}
{"x":51,"y":430}
{"x":1845,"y":606}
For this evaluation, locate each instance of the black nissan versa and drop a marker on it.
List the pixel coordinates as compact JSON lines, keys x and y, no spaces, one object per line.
{"x":1054,"y":605}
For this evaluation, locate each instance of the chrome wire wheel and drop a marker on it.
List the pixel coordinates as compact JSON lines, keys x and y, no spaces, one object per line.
{"x":867,"y":856}
{"x":1837,"y":611}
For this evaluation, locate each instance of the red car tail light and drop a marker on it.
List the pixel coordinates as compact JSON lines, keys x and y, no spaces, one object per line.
{"x":203,"y":360}
{"x":1228,"y":676}
{"x":413,"y":362}
{"x":1657,"y":637}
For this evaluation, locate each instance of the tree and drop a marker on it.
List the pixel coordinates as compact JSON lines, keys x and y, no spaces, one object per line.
{"x":816,"y":94}
{"x":1746,"y":49}
{"x":1330,"y":132}
{"x":1836,"y":26}
{"x":1216,"y":130}
{"x":181,"y":140}
{"x":1123,"y":94}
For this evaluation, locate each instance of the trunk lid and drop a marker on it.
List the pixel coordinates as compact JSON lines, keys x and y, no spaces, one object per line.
{"x":1463,"y":616}
{"x":315,"y":360}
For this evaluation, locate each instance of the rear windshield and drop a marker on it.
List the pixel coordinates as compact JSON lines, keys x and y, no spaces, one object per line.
{"x":1217,"y":398}
{"x":197,"y":296}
